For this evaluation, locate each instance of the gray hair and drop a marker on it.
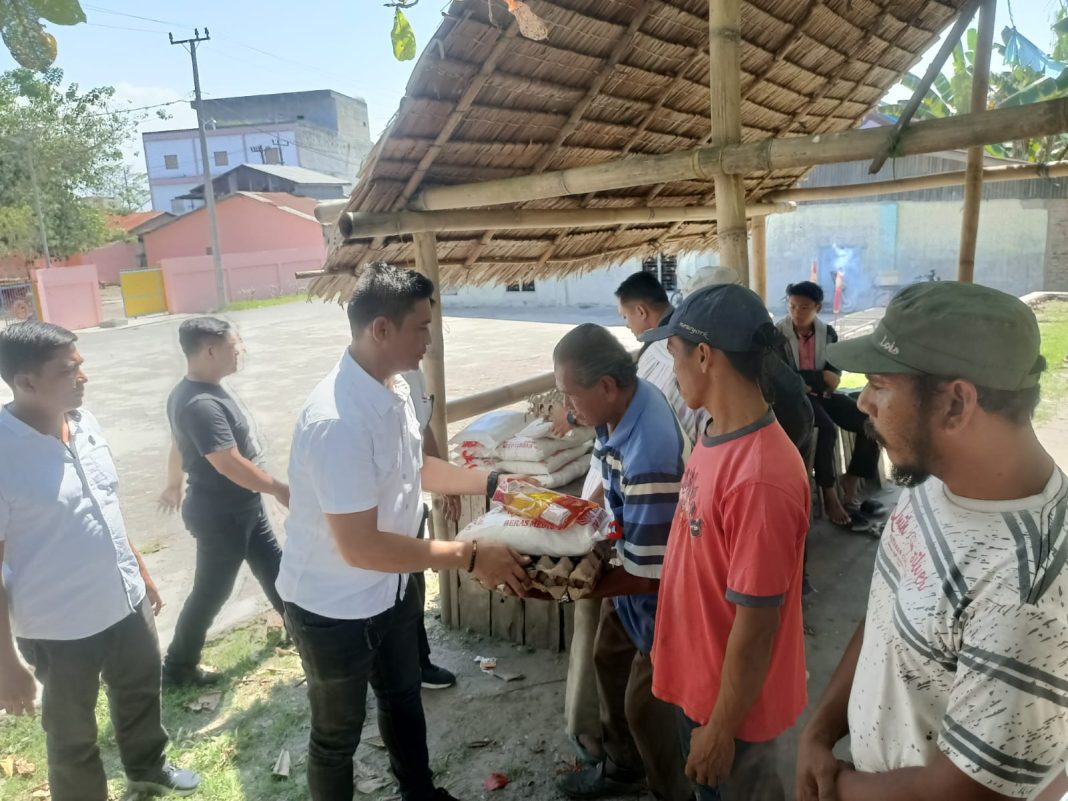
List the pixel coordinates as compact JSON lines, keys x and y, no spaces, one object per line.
{"x":594,"y":353}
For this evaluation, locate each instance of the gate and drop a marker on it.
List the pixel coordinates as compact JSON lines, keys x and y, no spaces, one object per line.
{"x":143,"y":292}
{"x":17,"y":302}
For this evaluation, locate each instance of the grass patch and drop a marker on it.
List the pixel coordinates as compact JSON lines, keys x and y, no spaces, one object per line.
{"x":233,"y":748}
{"x":1053,"y":325}
{"x":261,"y":303}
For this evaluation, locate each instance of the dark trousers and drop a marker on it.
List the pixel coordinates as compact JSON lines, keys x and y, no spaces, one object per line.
{"x":224,"y":539}
{"x":754,"y":774}
{"x":640,"y":730}
{"x":340,"y":658}
{"x":420,"y":582}
{"x":840,"y":411}
{"x":127,"y":656}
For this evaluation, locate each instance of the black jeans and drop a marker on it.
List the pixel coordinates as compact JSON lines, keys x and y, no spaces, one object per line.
{"x":754,"y":774}
{"x":420,"y":582}
{"x":224,"y":540}
{"x":340,"y":658}
{"x":832,"y":413}
{"x":126,"y":655}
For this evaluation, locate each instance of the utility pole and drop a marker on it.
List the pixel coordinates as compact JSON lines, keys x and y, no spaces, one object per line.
{"x":37,"y":206}
{"x":209,"y":188}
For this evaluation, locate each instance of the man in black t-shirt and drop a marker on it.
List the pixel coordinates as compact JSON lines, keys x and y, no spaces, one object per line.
{"x":215,"y":446}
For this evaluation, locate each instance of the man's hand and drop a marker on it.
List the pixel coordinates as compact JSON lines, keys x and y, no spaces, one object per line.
{"x":450,"y":507}
{"x":280,"y":490}
{"x":711,"y":755}
{"x":170,"y":500}
{"x":153,"y":596}
{"x":18,"y":690}
{"x":817,"y":770}
{"x":559,"y":420}
{"x":497,"y":564}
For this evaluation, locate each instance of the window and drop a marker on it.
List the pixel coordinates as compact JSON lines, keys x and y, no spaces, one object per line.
{"x":525,"y":286}
{"x":272,"y":155}
{"x":222,"y":158}
{"x":170,"y":161}
{"x":665,"y":268}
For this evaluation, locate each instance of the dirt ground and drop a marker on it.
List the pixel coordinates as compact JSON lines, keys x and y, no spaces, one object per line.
{"x":482,"y":725}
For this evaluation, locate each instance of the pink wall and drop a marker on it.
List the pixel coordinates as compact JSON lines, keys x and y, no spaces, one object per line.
{"x":245,"y":225}
{"x":69,"y":297}
{"x":112,"y":259}
{"x":190,"y":280}
{"x":14,"y":267}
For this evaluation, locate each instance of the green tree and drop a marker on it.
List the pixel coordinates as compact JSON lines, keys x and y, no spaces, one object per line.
{"x":74,"y":141}
{"x":24,"y":33}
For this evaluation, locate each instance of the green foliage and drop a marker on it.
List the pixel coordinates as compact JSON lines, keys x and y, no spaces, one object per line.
{"x":22,"y":31}
{"x":74,"y":142}
{"x":403,"y":37}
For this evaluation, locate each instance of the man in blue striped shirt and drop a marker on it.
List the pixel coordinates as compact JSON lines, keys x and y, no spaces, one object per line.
{"x":642,"y":451}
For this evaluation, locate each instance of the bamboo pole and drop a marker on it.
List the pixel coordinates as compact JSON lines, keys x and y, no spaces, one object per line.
{"x":933,"y":69}
{"x":973,"y":181}
{"x":498,"y":397}
{"x":725,"y":91}
{"x":426,"y":262}
{"x":760,"y":257}
{"x":925,"y":136}
{"x":364,"y":225}
{"x":1010,"y":172}
{"x":327,"y":211}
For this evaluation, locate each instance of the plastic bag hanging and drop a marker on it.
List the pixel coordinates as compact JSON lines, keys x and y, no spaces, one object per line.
{"x":530,"y":24}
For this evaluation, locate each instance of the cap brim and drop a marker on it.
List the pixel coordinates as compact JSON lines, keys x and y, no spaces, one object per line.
{"x":862,"y":355}
{"x":657,"y":334}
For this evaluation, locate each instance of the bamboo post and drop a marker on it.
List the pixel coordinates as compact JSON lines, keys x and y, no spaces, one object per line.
{"x":760,"y":257}
{"x":924,"y":85}
{"x":704,"y":163}
{"x":426,"y":262}
{"x":973,"y":180}
{"x":725,"y":89}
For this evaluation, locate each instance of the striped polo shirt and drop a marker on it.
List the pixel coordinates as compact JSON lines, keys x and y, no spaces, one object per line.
{"x":642,"y":461}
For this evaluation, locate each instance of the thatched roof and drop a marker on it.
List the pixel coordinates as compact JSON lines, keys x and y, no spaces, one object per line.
{"x":615,"y":77}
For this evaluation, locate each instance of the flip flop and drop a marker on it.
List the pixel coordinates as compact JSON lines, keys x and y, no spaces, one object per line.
{"x":872,"y":508}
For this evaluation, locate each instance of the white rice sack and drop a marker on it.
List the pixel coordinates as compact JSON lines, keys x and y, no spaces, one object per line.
{"x":566,"y":474}
{"x":537,"y":449}
{"x":550,"y":464}
{"x":525,"y":536}
{"x":490,"y":430}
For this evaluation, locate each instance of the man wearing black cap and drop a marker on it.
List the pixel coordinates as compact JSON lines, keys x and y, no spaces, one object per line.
{"x":729,"y":645}
{"x":956,"y":684}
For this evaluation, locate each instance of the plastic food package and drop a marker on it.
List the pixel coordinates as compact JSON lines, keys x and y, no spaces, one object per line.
{"x":550,"y":524}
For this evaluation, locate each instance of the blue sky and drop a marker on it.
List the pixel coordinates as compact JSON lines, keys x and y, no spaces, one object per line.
{"x":260,"y":47}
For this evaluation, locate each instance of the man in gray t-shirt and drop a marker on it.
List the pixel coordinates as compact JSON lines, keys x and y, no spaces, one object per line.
{"x":215,"y":446}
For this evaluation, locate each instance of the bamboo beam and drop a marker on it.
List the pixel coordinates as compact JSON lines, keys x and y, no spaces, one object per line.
{"x":327,"y":211}
{"x":933,"y":69}
{"x":498,"y":397}
{"x":1011,"y":172}
{"x":364,"y":225}
{"x":973,"y":180}
{"x":927,"y":136}
{"x":760,"y":257}
{"x":725,"y":95}
{"x":426,"y":262}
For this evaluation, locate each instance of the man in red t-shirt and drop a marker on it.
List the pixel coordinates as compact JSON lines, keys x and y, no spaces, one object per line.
{"x":729,"y":647}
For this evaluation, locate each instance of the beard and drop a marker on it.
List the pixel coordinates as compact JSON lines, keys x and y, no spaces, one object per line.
{"x":917,"y":469}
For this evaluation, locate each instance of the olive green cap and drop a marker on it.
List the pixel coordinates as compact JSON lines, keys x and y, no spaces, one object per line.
{"x":952,"y":330}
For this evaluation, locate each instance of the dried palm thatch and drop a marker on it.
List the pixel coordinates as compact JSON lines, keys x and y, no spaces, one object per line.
{"x":614,"y":77}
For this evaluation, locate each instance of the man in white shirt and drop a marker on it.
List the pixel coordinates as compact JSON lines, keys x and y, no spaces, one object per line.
{"x":75,"y":594}
{"x":956,"y":684}
{"x":356,"y":476}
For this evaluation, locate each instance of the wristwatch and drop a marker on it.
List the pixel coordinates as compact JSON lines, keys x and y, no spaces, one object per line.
{"x":492,"y":481}
{"x":571,"y":421}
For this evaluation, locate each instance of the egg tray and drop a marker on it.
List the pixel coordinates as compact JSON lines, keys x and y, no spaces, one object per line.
{"x":566,"y":578}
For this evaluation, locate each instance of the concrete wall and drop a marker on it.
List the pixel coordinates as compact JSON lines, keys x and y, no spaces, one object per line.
{"x":323,"y":151}
{"x":1056,"y":278}
{"x":245,"y":225}
{"x":112,"y":259}
{"x":69,"y":297}
{"x":190,"y":280}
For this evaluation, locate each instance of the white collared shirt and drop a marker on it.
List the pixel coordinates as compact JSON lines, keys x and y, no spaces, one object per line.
{"x":357,"y":446}
{"x":68,"y":568}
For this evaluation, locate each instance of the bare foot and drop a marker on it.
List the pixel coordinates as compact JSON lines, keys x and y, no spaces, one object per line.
{"x":850,"y":487}
{"x":836,"y":513}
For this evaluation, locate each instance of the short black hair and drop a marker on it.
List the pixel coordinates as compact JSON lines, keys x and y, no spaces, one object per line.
{"x":196,"y":332}
{"x":806,"y":289}
{"x":26,"y":346}
{"x":594,"y":353}
{"x":756,"y":366}
{"x":1015,"y":405}
{"x":642,"y":287}
{"x":383,"y":290}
